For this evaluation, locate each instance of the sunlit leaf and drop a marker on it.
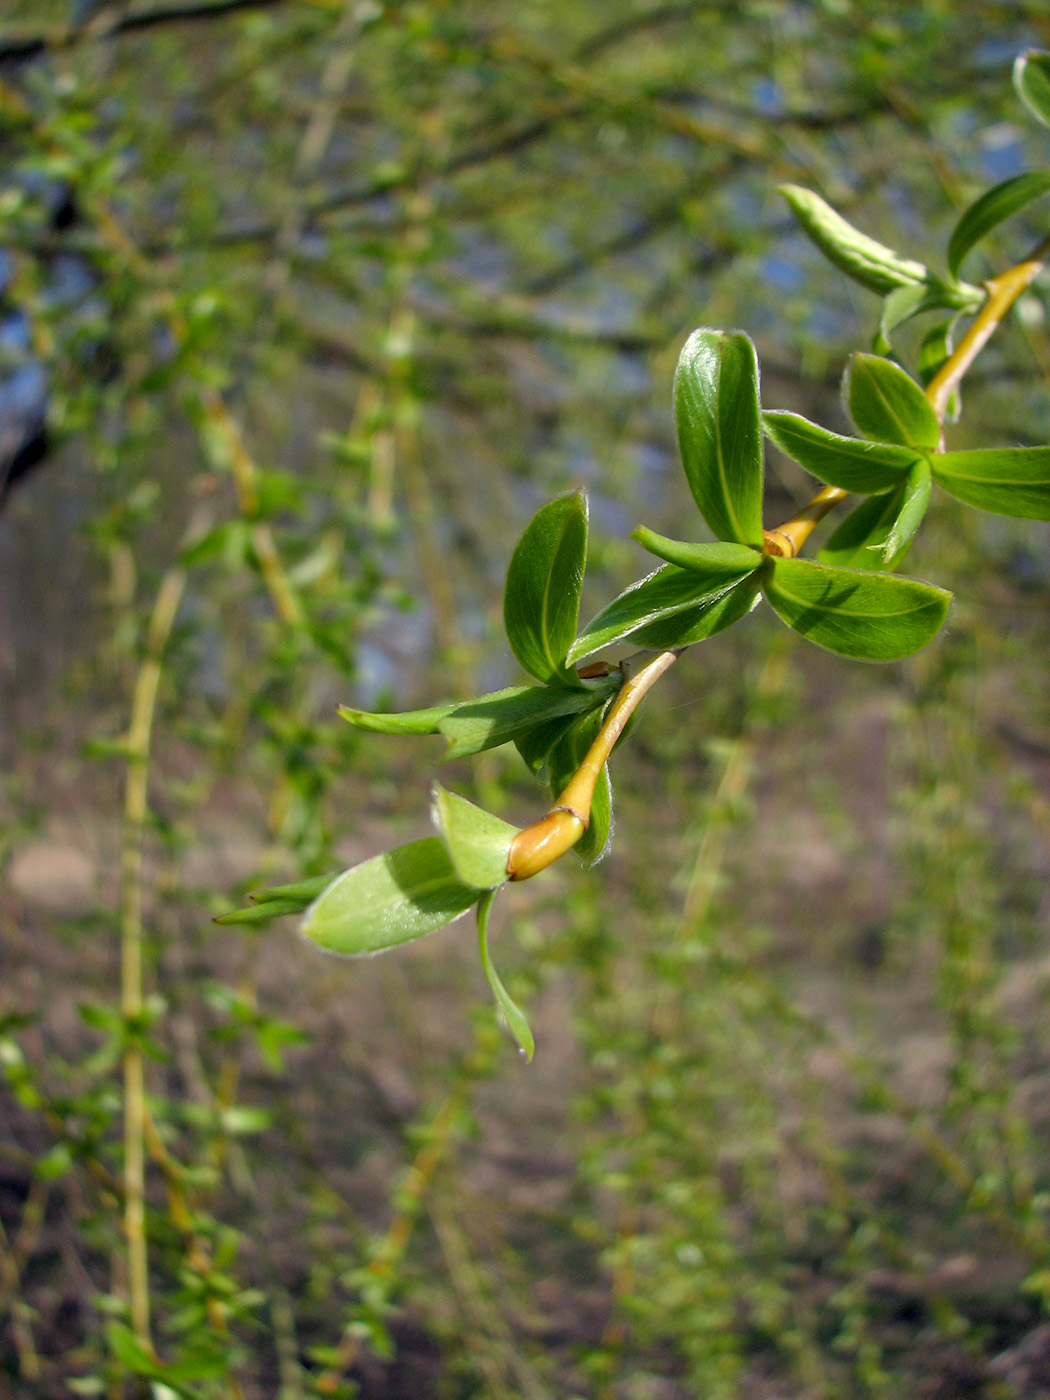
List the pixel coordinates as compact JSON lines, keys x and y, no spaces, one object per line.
{"x":869,"y":616}
{"x":1003,"y":480}
{"x":1032,"y":81}
{"x":390,"y":899}
{"x":477,"y":841}
{"x":719,"y":433}
{"x":506,"y":715}
{"x":512,"y":1013}
{"x":730,"y":561}
{"x":887,"y":405}
{"x":858,"y":541}
{"x":864,"y":259}
{"x":854,"y":464}
{"x":914,"y":504}
{"x":661,"y":596}
{"x":408,"y":722}
{"x":541,"y":602}
{"x":993,"y":208}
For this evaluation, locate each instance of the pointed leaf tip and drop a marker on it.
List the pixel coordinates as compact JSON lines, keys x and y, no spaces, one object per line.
{"x":478,"y":843}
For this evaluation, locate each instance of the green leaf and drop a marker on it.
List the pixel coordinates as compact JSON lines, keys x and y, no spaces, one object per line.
{"x":478,"y":843}
{"x":390,"y":899}
{"x":262,"y":913}
{"x":685,"y":629}
{"x":915,"y":503}
{"x":663,"y":595}
{"x":887,"y":405}
{"x":906,"y":302}
{"x":1003,"y":480}
{"x":1032,"y":81}
{"x":869,"y":616}
{"x":851,"y":463}
{"x":854,"y":253}
{"x":505,"y":715}
{"x":731,"y":561}
{"x":305,"y":890}
{"x":512,"y":1013}
{"x":716,"y":410}
{"x":858,"y":541}
{"x":408,"y":722}
{"x":541,"y":601}
{"x":993,"y":207}
{"x":535,"y":745}
{"x":564,"y":760}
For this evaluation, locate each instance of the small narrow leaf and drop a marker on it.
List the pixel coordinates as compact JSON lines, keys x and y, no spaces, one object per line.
{"x":914,"y":504}
{"x":408,"y":722}
{"x":300,"y":889}
{"x":732,"y":561}
{"x":506,"y":715}
{"x":668,"y":592}
{"x":390,"y":899}
{"x":685,"y":629}
{"x":541,"y":601}
{"x":535,"y":745}
{"x":906,"y":302}
{"x":854,"y":253}
{"x":887,"y":405}
{"x":716,"y":410}
{"x":869,"y":616}
{"x":1003,"y":480}
{"x":278,"y":900}
{"x":851,"y":463}
{"x":512,"y":1013}
{"x":1032,"y":81}
{"x":857,"y":543}
{"x":993,"y":208}
{"x":478,"y":842}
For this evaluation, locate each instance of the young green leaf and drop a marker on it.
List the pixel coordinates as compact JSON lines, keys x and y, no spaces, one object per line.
{"x":684,"y":629}
{"x":505,"y":715}
{"x":1032,"y":81}
{"x":536,"y":743}
{"x":716,"y":410}
{"x":277,"y":900}
{"x":869,"y":616}
{"x":887,"y":405}
{"x":858,"y":541}
{"x":541,"y":601}
{"x":914,"y":505}
{"x":1003,"y":480}
{"x":994,"y":206}
{"x":478,"y":843}
{"x":512,"y":1013}
{"x":906,"y":302}
{"x":733,"y":561}
{"x":408,"y":722}
{"x":854,"y":253}
{"x":851,"y":463}
{"x":390,"y":899}
{"x":563,"y":761}
{"x":665,"y":594}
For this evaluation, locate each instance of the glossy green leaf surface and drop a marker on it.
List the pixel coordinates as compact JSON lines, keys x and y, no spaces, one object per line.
{"x":390,"y":899}
{"x":719,"y":432}
{"x":662,"y":595}
{"x":536,"y":743}
{"x":505,"y":715}
{"x":1003,"y":480}
{"x":730,"y":561}
{"x":692,"y":625}
{"x":868,"y":616}
{"x":1032,"y":82}
{"x":564,"y":759}
{"x":887,"y":405}
{"x":993,"y":208}
{"x":851,"y":463}
{"x":515,"y":1018}
{"x":478,"y":843}
{"x":541,"y":600}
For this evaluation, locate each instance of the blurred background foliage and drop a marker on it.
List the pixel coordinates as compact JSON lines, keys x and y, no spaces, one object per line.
{"x":305,"y":306}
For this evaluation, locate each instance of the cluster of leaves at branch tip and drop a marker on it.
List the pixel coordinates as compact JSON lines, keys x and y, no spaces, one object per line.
{"x":847,"y":600}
